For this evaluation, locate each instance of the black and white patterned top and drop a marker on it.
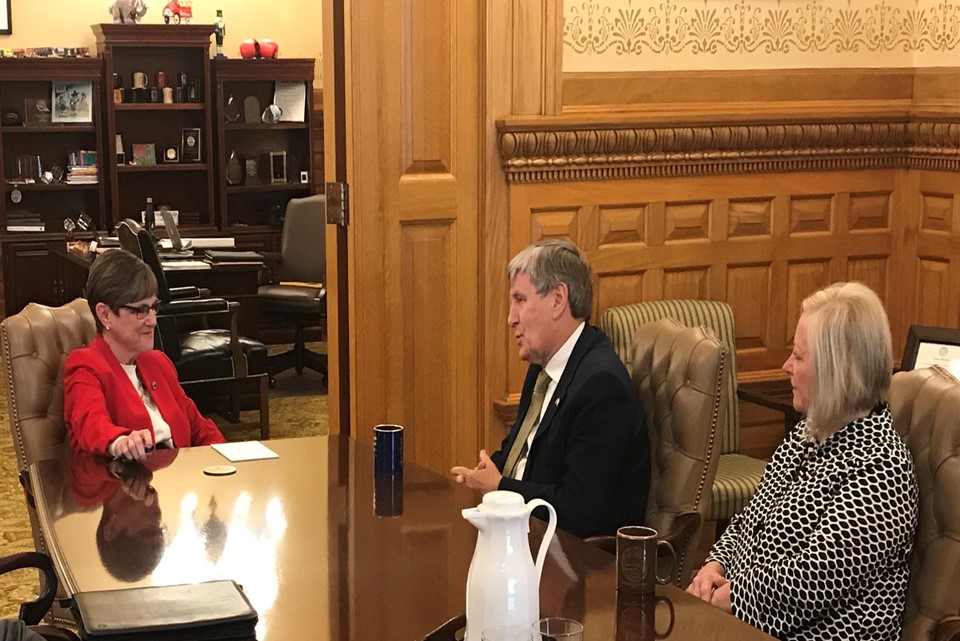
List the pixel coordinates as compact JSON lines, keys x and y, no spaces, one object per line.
{"x":821,"y":550}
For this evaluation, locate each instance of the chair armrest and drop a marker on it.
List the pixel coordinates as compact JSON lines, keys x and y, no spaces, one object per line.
{"x":196,"y":306}
{"x":32,"y":611}
{"x":947,"y":630}
{"x":684,"y":525}
{"x":449,"y":630}
{"x":189,"y":291}
{"x":271,"y":262}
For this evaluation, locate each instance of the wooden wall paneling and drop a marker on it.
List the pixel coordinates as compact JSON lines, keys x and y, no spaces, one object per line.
{"x":937,"y":228}
{"x":497,"y":348}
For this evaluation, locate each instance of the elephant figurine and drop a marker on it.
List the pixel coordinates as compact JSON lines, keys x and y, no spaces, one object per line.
{"x":124,"y":11}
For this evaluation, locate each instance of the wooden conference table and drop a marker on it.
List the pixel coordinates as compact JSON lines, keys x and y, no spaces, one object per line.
{"x":301,"y":533}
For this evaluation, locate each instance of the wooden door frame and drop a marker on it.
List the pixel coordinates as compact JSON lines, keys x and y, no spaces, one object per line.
{"x":335,"y":170}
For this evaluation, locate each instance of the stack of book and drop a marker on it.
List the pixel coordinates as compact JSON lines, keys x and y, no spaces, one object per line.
{"x":82,"y":168}
{"x":217,"y":257}
{"x":24,"y":220}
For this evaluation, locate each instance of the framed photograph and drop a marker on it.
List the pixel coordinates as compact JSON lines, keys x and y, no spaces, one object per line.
{"x":190,"y":145}
{"x":144,"y":153}
{"x":928,"y":346}
{"x":72,"y":101}
{"x":171,"y":154}
{"x":36,"y":111}
{"x":6,"y":28}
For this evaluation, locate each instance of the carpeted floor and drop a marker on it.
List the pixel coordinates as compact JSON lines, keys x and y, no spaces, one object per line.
{"x":298,"y":407}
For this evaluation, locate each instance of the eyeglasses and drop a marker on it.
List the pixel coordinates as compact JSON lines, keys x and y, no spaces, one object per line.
{"x":142,"y":310}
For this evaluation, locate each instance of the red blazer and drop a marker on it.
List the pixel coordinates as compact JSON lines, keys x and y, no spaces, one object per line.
{"x":101,"y":404}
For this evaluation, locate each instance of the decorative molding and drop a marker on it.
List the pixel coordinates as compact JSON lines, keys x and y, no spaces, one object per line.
{"x":637,"y":32}
{"x":598,"y":152}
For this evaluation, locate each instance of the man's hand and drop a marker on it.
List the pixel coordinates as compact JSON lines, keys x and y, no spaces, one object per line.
{"x":134,"y":446}
{"x":485,"y":476}
{"x":708,"y":579}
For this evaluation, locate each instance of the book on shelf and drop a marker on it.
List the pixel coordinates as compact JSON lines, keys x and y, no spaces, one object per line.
{"x":82,"y":175}
{"x":26,"y":226}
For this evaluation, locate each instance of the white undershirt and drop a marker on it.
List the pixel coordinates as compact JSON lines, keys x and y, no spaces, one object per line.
{"x":161,"y":429}
{"x":554,"y":370}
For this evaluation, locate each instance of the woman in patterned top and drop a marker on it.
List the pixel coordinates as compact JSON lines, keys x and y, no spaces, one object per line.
{"x":821,"y":550}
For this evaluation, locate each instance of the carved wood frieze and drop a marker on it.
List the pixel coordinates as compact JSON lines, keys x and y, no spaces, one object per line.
{"x":559,"y":152}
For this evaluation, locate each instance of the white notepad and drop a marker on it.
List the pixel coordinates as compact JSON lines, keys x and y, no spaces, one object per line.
{"x":245,"y":451}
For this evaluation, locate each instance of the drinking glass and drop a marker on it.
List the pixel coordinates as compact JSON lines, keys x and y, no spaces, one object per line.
{"x":558,"y":629}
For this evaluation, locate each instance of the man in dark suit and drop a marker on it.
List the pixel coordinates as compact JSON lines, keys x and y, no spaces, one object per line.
{"x":579,"y":441}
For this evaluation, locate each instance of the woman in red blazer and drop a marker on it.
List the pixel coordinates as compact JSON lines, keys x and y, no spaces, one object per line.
{"x":122,"y":397}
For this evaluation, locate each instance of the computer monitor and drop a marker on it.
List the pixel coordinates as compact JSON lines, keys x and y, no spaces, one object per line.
{"x":176,"y":243}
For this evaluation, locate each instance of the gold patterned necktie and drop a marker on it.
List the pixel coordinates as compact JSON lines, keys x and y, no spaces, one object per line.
{"x":529,"y":420}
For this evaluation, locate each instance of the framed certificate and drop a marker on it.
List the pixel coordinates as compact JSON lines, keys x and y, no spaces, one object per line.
{"x":928,"y":346}
{"x":190,"y":145}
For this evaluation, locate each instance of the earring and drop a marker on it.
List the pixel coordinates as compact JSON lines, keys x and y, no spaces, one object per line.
{"x":107,"y":328}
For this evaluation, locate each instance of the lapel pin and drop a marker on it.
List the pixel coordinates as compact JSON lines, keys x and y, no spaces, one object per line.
{"x":153,"y":385}
{"x":556,"y":402}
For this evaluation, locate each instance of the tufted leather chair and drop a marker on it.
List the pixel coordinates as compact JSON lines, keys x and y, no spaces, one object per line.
{"x":297,"y":294}
{"x":679,"y":372}
{"x":680,"y":375}
{"x":926,"y":405}
{"x":35,"y":345}
{"x":203,"y":357}
{"x":738,"y":475}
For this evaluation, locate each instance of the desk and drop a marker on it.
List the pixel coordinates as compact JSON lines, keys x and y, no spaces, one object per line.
{"x":300,"y":534}
{"x":776,"y":395}
{"x":233,"y":282}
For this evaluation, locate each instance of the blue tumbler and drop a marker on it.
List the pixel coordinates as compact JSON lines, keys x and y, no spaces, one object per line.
{"x":387,"y":449}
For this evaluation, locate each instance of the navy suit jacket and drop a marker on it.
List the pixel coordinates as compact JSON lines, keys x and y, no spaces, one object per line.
{"x":591,"y":455}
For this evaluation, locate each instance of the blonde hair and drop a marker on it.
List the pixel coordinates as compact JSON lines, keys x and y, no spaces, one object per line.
{"x":848,"y":334}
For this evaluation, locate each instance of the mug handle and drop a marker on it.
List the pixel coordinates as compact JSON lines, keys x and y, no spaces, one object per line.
{"x":673,"y":567}
{"x":664,"y":635}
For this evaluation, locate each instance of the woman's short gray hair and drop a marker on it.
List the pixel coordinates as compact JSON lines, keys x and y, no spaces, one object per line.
{"x":117,"y":278}
{"x":849,"y":341}
{"x":550,"y":262}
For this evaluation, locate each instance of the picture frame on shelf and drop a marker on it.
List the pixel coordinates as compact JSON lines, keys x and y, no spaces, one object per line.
{"x":251,"y":171}
{"x":929,"y":346}
{"x":190,"y":144}
{"x":36,"y":111}
{"x":72,"y":102}
{"x":171,"y":154}
{"x":144,"y":154}
{"x":6,"y":26}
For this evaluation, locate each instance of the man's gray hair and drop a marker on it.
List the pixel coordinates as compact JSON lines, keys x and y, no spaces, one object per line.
{"x":550,"y":262}
{"x":849,"y":340}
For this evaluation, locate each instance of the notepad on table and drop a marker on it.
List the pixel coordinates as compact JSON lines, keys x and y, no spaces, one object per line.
{"x":245,"y":451}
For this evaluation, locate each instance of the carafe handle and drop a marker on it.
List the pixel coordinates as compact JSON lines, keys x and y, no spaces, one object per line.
{"x":548,"y":536}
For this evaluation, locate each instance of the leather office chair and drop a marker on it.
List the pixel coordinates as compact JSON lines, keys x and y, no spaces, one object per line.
{"x":297,"y":293}
{"x":32,"y":612}
{"x":203,"y":357}
{"x":925,"y":404}
{"x":737,"y":475}
{"x":680,"y":374}
{"x":34,"y":346}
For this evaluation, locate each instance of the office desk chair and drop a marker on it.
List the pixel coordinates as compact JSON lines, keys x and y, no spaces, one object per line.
{"x":296,"y":293}
{"x":32,"y":612}
{"x":202,"y":357}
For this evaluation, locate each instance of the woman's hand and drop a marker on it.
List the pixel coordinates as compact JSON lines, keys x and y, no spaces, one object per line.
{"x":721,"y":597}
{"x":708,"y":579}
{"x":134,"y":446}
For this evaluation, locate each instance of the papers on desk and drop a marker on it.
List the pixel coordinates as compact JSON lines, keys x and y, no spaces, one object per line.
{"x":213,"y":242}
{"x":183,"y":265}
{"x":246,"y":451}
